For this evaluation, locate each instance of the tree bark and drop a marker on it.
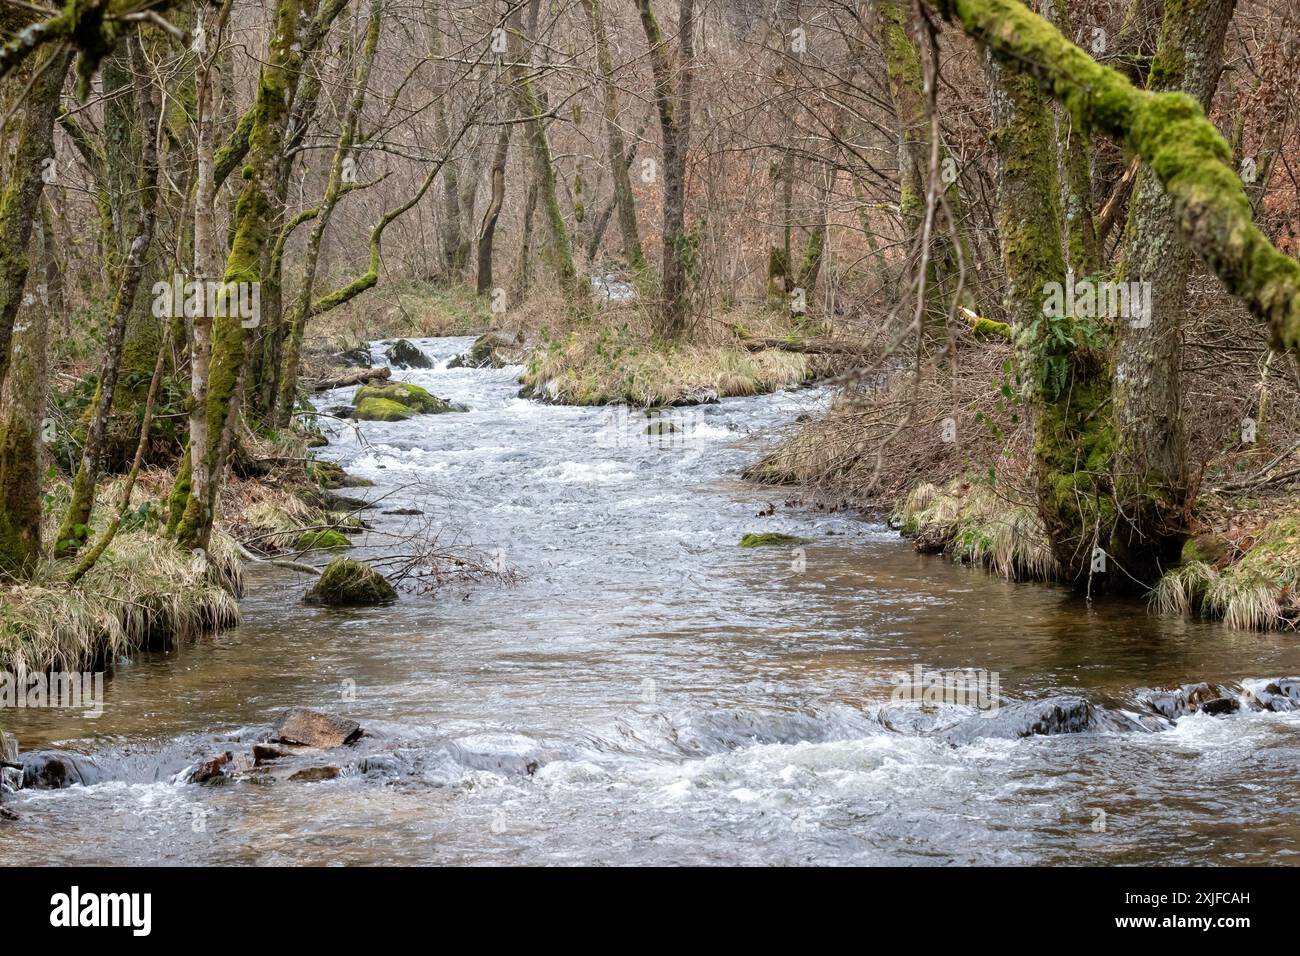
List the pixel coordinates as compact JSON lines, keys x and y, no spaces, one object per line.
{"x":75,"y":527}
{"x":616,"y":149}
{"x":253,"y":212}
{"x":1151,"y":478}
{"x":673,"y":101}
{"x":488,"y":233}
{"x":33,"y":155}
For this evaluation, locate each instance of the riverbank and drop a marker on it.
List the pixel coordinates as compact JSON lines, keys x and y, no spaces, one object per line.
{"x":947,"y":458}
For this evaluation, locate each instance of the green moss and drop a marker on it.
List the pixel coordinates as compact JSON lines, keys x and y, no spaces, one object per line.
{"x":769,"y":539}
{"x":381,"y":410}
{"x":411,"y":397}
{"x":326,"y":539}
{"x":348,"y":583}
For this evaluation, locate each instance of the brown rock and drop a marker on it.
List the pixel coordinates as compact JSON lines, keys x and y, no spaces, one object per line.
{"x":314,"y":774}
{"x":211,"y":768}
{"x":265,"y":753}
{"x":309,"y":728}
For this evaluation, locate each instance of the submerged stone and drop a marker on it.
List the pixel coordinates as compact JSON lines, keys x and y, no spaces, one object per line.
{"x":769,"y":539}
{"x":54,"y":770}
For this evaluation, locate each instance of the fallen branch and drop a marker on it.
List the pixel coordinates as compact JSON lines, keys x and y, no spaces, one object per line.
{"x":359,"y":376}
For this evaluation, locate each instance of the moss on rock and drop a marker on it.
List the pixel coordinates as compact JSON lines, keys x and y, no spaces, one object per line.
{"x":349,"y":583}
{"x":412,"y":397}
{"x":768,"y":539}
{"x":326,"y":539}
{"x":381,"y":410}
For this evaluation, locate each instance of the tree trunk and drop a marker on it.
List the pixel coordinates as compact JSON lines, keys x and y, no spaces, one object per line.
{"x":616,"y":150}
{"x":455,"y":246}
{"x":243,"y":265}
{"x":33,"y":157}
{"x":674,"y":105}
{"x":301,"y":309}
{"x":559,"y":249}
{"x":75,"y":527}
{"x":1067,"y":385}
{"x":1151,"y":479}
{"x":493,"y":213}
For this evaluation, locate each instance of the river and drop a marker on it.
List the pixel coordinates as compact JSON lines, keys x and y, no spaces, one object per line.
{"x":645,"y":691}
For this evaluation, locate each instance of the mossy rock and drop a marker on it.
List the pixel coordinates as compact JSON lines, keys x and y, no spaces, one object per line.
{"x":490,"y":350}
{"x":403,"y":393}
{"x":770,"y":539}
{"x":402,"y":354}
{"x":1209,"y":548}
{"x":381,"y":410}
{"x":326,"y":539}
{"x":349,"y":583}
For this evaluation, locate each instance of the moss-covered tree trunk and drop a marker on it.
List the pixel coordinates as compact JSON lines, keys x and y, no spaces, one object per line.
{"x":75,"y":526}
{"x":1074,"y":156}
{"x":616,"y":149}
{"x":33,"y":158}
{"x":1151,"y":479}
{"x":1067,"y":382}
{"x":22,"y":457}
{"x":673,"y":102}
{"x":253,"y":213}
{"x":1170,"y":133}
{"x":301,"y":308}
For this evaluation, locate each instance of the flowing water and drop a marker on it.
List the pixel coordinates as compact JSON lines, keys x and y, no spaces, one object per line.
{"x":647,"y":692}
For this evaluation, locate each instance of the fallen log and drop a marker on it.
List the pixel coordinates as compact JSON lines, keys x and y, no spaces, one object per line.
{"x":813,"y":346}
{"x":360,"y":376}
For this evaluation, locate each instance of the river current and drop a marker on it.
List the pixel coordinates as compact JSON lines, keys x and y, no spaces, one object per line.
{"x":639,"y":689}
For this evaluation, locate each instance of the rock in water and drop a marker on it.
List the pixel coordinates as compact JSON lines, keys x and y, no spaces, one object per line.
{"x":348,"y":583}
{"x":52,"y":770}
{"x":402,"y":354}
{"x":1055,"y":715}
{"x":412,"y":398}
{"x":8,"y":748}
{"x":314,"y":774}
{"x":310,"y":728}
{"x":1279,"y":694}
{"x":210,"y":768}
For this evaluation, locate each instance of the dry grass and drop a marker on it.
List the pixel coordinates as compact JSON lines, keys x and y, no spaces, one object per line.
{"x":1260,"y":590}
{"x":891,"y":430}
{"x":615,"y":357}
{"x":143,"y":592}
{"x":969,"y":522}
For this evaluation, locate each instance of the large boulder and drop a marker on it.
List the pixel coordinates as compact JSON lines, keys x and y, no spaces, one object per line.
{"x":349,"y":583}
{"x":402,"y":354}
{"x":54,"y":770}
{"x":311,"y":728}
{"x":398,"y":400}
{"x":491,"y":350}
